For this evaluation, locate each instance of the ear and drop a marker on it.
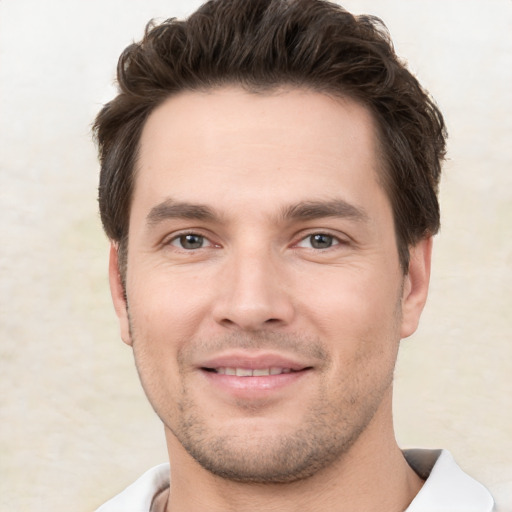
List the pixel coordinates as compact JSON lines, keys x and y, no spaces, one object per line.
{"x":118,"y":294}
{"x":416,"y":284}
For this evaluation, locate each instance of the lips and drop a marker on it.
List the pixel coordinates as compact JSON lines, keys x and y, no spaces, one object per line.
{"x":253,"y":364}
{"x":253,"y":375}
{"x":248,"y":372}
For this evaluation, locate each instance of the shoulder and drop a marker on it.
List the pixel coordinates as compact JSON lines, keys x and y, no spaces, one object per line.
{"x":447,"y":487}
{"x":139,"y":495}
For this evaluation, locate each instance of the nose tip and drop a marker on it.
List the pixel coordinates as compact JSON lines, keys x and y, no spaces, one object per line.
{"x":250,"y":319}
{"x":254,"y":298}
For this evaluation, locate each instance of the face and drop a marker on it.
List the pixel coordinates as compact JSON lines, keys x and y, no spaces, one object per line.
{"x":265,"y":300}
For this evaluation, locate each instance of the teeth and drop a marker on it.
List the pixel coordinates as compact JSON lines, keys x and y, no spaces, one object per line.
{"x":247,"y":372}
{"x":257,"y":373}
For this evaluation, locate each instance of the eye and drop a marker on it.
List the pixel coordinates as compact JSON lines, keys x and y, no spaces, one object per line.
{"x":189,"y":241}
{"x":318,"y":241}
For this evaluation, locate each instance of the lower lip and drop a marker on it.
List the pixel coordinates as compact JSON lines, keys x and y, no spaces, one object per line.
{"x":253,"y":387}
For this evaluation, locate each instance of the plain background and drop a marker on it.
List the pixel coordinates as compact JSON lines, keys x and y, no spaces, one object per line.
{"x":75,"y":427}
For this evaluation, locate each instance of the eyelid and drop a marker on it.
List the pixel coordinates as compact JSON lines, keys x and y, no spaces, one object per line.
{"x":337,"y":237}
{"x":167,"y":241}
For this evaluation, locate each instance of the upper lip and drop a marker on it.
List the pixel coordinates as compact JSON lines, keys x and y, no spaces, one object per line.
{"x":253,"y":361}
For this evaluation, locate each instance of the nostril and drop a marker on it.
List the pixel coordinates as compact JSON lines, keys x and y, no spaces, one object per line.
{"x":252,"y":314}
{"x":227,"y":322}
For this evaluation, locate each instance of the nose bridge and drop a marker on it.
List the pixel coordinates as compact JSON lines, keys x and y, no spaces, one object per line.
{"x":255,"y":292}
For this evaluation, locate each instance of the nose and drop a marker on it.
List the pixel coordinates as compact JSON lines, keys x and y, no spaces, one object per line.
{"x":254,"y":293}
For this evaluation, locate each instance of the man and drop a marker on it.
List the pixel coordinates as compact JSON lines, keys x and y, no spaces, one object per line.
{"x":269,"y":179}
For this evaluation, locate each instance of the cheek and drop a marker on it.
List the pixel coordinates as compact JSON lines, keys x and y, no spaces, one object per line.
{"x":359,"y":321}
{"x":166,"y":306}
{"x":159,"y":328}
{"x":352,"y":302}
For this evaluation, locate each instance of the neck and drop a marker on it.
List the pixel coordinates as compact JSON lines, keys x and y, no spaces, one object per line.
{"x":371,"y":476}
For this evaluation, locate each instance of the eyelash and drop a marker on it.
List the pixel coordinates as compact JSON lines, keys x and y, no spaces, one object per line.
{"x":335,"y":240}
{"x":180,"y":236}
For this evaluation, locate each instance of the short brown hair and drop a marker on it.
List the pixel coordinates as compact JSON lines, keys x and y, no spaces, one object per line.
{"x":263,"y":45}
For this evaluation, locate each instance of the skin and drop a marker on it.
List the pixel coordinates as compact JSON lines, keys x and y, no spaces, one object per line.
{"x":240,"y":172}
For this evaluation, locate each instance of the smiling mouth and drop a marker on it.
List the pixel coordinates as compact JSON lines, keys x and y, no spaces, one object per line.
{"x":248,"y":372}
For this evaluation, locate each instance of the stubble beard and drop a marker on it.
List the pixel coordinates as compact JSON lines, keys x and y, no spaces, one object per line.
{"x":328,"y":430}
{"x":274,"y":458}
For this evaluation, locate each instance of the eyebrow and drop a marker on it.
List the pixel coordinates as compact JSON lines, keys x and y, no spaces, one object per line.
{"x":304,"y":210}
{"x":171,"y":209}
{"x":311,"y":210}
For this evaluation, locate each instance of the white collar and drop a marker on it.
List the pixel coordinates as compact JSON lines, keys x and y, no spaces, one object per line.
{"x":139,"y":495}
{"x":447,"y":487}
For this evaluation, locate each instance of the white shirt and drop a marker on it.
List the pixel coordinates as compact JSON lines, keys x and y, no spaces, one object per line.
{"x":446,"y":489}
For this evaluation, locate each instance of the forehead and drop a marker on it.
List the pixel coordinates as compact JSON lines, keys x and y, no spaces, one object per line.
{"x":232,"y":144}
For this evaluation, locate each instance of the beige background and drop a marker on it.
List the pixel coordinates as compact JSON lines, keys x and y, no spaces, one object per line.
{"x":74,"y":425}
